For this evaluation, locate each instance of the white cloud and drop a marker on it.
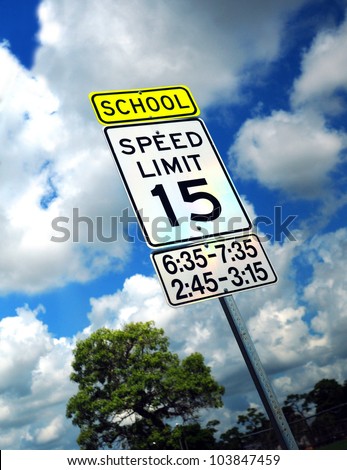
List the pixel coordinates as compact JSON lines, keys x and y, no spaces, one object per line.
{"x":326,"y":293}
{"x":23,"y":341}
{"x":136,"y":302}
{"x":324,"y":347}
{"x":323,"y":73}
{"x":124,"y":44}
{"x":35,"y":384}
{"x":45,"y":173}
{"x":51,"y":432}
{"x":282,"y":336}
{"x":294,"y":152}
{"x":304,"y":377}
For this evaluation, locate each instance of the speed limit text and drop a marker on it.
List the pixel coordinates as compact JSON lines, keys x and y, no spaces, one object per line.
{"x":173,"y":173}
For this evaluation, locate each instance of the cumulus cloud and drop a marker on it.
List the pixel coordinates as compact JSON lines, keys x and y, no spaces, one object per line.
{"x":35,"y":384}
{"x":192,"y":328}
{"x":297,"y":151}
{"x":323,"y":311}
{"x":19,"y":353}
{"x":303,"y":378}
{"x":294,"y":152}
{"x":282,"y":336}
{"x":51,"y":432}
{"x":124,"y":44}
{"x":326,"y":293}
{"x":322,"y":72}
{"x":45,"y":173}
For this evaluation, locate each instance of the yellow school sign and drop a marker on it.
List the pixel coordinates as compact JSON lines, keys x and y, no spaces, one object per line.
{"x":125,"y":106}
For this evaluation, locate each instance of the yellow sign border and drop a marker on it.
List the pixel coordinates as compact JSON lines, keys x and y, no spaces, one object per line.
{"x":189,"y":109}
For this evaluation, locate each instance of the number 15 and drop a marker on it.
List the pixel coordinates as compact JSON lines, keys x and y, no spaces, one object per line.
{"x":187,"y":196}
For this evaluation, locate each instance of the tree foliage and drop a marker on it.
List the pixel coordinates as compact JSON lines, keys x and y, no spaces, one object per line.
{"x":315,"y":418}
{"x":231,"y":439}
{"x":254,"y":420}
{"x":130,"y":385}
{"x":326,"y":394}
{"x":132,"y":389}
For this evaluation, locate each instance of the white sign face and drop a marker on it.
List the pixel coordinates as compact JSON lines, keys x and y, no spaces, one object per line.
{"x":176,"y":181}
{"x":213,"y":269}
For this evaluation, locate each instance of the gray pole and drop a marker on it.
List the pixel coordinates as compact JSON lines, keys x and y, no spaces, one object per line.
{"x":258,"y":373}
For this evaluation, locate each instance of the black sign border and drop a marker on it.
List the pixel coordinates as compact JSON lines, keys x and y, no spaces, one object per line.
{"x":134,"y":205}
{"x":212,"y":296}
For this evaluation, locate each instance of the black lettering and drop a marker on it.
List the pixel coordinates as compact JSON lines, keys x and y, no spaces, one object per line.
{"x":103,"y":105}
{"x":195,"y":156}
{"x":156,"y":104}
{"x":179,"y":103}
{"x":118,"y":107}
{"x":123,"y":144}
{"x":158,"y":139}
{"x":167,"y":98}
{"x":171,"y":167}
{"x":136,"y":105}
{"x":156,"y":166}
{"x":143,"y":174}
{"x":186,"y":163}
{"x":143,"y":142}
{"x":194,"y":142}
{"x":176,"y":140}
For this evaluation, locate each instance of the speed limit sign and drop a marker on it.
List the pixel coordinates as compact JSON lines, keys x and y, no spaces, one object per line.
{"x":176,"y":181}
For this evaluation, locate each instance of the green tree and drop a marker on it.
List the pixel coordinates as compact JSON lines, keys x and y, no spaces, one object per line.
{"x":253,"y":420}
{"x":296,"y":405}
{"x":296,"y":409}
{"x":130,"y":385}
{"x":328,"y":397}
{"x":326,"y":394}
{"x":231,"y":439}
{"x":258,"y":427}
{"x":344,"y":399}
{"x":193,"y":436}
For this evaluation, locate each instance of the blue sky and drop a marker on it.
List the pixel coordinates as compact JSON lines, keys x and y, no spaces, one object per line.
{"x":270,"y":80}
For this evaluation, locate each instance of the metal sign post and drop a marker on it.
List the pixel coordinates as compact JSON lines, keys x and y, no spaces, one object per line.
{"x":258,"y":374}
